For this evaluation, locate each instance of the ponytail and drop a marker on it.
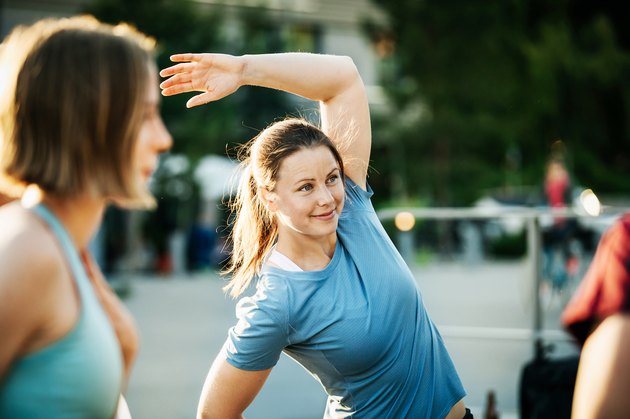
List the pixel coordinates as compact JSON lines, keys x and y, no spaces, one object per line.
{"x":253,"y":234}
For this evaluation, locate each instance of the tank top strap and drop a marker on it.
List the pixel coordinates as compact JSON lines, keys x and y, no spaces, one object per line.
{"x":72,"y":255}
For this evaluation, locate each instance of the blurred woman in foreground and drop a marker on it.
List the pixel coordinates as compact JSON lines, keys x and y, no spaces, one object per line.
{"x":80,"y":129}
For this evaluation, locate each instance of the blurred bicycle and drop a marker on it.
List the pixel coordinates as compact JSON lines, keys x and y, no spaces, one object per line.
{"x":564,"y":264}
{"x":567,"y":246}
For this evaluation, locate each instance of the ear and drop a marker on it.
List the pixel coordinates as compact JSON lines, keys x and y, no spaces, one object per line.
{"x":268,"y":198}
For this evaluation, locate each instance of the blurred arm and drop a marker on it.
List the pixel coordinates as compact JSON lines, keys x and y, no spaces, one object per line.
{"x":603,"y":380}
{"x":17,"y":322}
{"x":30,"y":278}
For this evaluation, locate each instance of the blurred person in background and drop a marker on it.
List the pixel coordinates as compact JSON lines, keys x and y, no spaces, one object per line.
{"x":559,"y":237}
{"x":80,"y":129}
{"x":332,"y":291}
{"x":598,"y":316}
{"x":557,"y":185}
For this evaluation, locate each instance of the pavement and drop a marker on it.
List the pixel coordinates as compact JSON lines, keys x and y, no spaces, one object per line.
{"x":484,"y":312}
{"x":183,"y":322}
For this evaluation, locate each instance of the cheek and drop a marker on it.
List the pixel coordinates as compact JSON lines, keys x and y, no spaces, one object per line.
{"x":340,"y":195}
{"x":293,"y":209}
{"x":297,"y":208}
{"x":142,"y":142}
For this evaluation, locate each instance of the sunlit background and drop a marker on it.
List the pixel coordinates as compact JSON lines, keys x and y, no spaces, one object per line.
{"x":469,"y":100}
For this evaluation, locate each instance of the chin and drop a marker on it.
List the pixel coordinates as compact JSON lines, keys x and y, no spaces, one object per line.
{"x":327,"y":231}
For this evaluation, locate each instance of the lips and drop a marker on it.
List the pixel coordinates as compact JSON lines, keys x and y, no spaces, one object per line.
{"x":325,"y":216}
{"x":148,"y":172}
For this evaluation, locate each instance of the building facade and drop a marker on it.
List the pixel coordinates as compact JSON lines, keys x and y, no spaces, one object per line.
{"x":322,"y":26}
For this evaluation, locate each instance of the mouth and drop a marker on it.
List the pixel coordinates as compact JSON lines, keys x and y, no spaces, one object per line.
{"x":147,"y":173}
{"x":325,"y":216}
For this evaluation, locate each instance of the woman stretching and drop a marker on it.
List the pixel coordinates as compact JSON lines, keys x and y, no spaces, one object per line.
{"x":332,"y":291}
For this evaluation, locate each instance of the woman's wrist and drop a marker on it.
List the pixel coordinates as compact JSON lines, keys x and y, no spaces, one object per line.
{"x":246,"y":70}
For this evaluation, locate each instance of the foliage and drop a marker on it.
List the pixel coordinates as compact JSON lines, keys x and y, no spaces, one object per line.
{"x":482,"y":89}
{"x":178,"y":26}
{"x":216,"y":128}
{"x":185,"y":26}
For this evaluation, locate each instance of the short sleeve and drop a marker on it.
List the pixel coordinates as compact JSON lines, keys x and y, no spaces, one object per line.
{"x":356,"y":197}
{"x":258,"y":338}
{"x":605,"y":289}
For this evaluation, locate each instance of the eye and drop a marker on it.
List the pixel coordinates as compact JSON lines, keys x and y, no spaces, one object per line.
{"x":333,"y":179}
{"x":306,"y":187}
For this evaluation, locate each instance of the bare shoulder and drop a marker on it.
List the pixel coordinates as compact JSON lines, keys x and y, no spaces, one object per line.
{"x":31,"y":280}
{"x":29,"y":255}
{"x":604,"y":372}
{"x":615,"y":331}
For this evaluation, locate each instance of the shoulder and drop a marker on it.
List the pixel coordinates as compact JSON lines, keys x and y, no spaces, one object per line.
{"x":31,"y":278}
{"x":617,"y":238}
{"x":271,"y":303}
{"x":622,"y":227}
{"x":356,"y":195}
{"x":29,"y":256}
{"x":604,"y":370}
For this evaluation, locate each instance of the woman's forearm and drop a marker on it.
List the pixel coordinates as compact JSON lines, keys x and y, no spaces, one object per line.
{"x":313,"y":76}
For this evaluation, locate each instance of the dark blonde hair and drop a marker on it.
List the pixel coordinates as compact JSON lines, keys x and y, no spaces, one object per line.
{"x":71,"y":108}
{"x":254,"y":230}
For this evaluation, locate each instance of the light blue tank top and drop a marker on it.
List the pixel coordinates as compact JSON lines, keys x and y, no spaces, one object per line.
{"x":77,"y":376}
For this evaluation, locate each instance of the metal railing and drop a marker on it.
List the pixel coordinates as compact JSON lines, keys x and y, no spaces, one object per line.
{"x":532,"y":221}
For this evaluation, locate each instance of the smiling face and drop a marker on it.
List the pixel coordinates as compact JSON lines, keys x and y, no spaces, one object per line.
{"x":308,"y":196}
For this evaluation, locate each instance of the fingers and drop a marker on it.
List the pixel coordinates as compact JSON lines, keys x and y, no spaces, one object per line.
{"x":179,"y":78}
{"x":197,"y":100}
{"x":171,"y":91}
{"x":179,"y":58}
{"x":178,"y":68}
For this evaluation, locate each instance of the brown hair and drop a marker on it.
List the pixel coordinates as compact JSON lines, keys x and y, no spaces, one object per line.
{"x":254,"y":230}
{"x":72,"y":107}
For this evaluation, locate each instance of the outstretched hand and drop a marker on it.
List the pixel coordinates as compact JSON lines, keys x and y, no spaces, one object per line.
{"x":216,"y":75}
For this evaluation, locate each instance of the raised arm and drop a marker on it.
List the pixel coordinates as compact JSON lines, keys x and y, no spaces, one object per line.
{"x":331,"y":80}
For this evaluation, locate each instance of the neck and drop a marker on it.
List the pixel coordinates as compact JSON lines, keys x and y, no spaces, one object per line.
{"x":308,"y":253}
{"x":81,"y":216}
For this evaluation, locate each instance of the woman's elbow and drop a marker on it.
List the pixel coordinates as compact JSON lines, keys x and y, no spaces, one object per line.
{"x":350,"y":70}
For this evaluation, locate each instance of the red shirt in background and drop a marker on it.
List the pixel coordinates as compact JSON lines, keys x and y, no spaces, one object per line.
{"x":605,"y":289}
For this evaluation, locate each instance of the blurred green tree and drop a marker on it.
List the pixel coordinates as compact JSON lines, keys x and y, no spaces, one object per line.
{"x":216,"y":128}
{"x":482,"y":89}
{"x":186,"y":26}
{"x":180,"y":26}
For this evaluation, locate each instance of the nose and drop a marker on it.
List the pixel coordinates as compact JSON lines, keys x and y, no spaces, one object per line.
{"x":162,"y":138}
{"x":325,"y":197}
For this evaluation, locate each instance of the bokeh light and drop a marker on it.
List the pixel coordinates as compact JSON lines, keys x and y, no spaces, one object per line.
{"x":590,"y":202}
{"x":404,"y":221}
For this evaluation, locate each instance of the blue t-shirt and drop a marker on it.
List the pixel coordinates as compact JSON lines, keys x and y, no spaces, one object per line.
{"x":359,"y":326}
